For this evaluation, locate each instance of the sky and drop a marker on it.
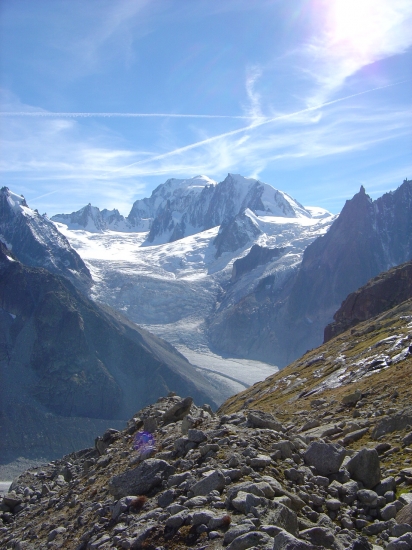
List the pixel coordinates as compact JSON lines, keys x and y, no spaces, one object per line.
{"x":103,"y":100}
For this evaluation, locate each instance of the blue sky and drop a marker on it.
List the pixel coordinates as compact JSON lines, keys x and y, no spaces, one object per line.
{"x":103,"y":100}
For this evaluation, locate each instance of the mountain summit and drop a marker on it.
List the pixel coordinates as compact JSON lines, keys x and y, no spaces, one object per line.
{"x":36,"y":242}
{"x":183,"y":207}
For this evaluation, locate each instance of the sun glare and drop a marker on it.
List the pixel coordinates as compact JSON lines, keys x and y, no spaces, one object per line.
{"x":356,"y":24}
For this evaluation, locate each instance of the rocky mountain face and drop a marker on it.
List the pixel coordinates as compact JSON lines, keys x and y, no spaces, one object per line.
{"x":379,"y":294}
{"x":69,"y":365}
{"x":277,"y":326}
{"x":91,"y":219}
{"x":35,"y":240}
{"x":184,"y":207}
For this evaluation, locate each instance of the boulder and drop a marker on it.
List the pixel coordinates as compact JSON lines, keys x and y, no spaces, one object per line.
{"x":405,"y":515}
{"x":258,"y":419}
{"x":253,"y":539}
{"x":320,"y":536}
{"x":215,"y":481}
{"x":178,"y":411}
{"x":364,"y":467}
{"x":325,"y":457}
{"x":141,"y":480}
{"x":286,"y":541}
{"x":283,"y":517}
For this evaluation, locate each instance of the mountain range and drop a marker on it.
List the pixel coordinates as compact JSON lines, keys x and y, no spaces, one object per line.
{"x":236,"y":275}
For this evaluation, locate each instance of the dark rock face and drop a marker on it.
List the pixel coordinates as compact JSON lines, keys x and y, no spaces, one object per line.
{"x":380,"y":294}
{"x":35,"y":240}
{"x":63,"y":357}
{"x":258,"y":255}
{"x":367,"y":238}
{"x":235,"y":234}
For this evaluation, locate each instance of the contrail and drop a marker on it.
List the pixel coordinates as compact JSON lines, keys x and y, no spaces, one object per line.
{"x":255,"y":124}
{"x":45,"y":195}
{"x":111,"y":115}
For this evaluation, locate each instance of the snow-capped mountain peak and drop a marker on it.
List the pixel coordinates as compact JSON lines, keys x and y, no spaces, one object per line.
{"x":35,"y":241}
{"x":91,"y":219}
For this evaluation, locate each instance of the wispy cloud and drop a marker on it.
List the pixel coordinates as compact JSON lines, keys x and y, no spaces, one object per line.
{"x":253,"y":109}
{"x":261,"y":121}
{"x":48,"y":114}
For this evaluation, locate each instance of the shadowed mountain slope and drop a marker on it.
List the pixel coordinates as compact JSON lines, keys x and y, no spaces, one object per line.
{"x":65,"y":359}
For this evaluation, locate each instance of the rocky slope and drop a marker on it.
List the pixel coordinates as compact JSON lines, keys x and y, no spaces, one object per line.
{"x":70,"y":366}
{"x":278,"y":323}
{"x":36,"y":242}
{"x":180,"y":477}
{"x":379,"y":294}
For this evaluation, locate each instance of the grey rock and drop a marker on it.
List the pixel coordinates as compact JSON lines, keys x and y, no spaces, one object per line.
{"x":392,"y":423}
{"x":55,"y":533}
{"x":349,"y":491}
{"x":333,"y":504}
{"x":260,"y":461}
{"x":243,"y":502}
{"x":375,"y":528}
{"x":178,"y":411}
{"x":405,"y":515}
{"x":236,"y":531}
{"x":202,"y":516}
{"x":196,"y":501}
{"x":320,"y":536}
{"x":166,"y":498}
{"x":209,"y":448}
{"x":283,"y":517}
{"x":402,"y":543}
{"x":258,"y":419}
{"x":214,"y":481}
{"x":325,"y":457}
{"x":354,"y":436}
{"x":368,"y":497}
{"x":286,"y":448}
{"x":140,"y":480}
{"x":197,"y":436}
{"x":407,"y":440}
{"x":387,"y":484}
{"x":217,"y":522}
{"x":320,"y":481}
{"x":150,"y":424}
{"x":400,"y":529}
{"x":249,"y":540}
{"x":364,"y":467}
{"x":286,"y":541}
{"x":352,"y":398}
{"x":11,"y":500}
{"x":406,"y":498}
{"x":177,"y":520}
{"x":388,"y":512}
{"x":121,"y":506}
{"x":177,"y":479}
{"x":295,"y":475}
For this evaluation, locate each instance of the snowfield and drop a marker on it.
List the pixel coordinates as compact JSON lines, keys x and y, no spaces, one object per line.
{"x":171,"y":289}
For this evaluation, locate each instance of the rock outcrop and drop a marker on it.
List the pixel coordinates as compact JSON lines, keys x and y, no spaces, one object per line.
{"x":381,"y":293}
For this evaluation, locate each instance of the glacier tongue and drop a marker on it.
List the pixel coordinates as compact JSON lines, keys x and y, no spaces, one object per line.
{"x":172,"y":289}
